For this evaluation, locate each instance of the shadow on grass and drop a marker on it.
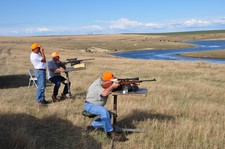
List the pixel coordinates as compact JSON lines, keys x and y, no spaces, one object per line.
{"x":17,"y":80}
{"x":14,"y":81}
{"x":141,"y":116}
{"x":22,"y":131}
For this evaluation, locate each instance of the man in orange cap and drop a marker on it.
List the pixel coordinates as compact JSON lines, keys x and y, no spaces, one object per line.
{"x":96,"y":98}
{"x":55,"y":68}
{"x":37,"y":58}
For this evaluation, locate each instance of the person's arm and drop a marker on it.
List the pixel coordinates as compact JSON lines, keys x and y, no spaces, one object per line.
{"x":53,"y":68}
{"x":108,"y":90}
{"x":60,"y":69}
{"x":42,"y":54}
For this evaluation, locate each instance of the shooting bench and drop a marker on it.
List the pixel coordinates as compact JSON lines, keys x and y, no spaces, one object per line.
{"x":115,"y":94}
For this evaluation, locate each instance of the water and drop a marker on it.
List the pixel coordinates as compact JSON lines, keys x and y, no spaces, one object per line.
{"x":174,"y":54}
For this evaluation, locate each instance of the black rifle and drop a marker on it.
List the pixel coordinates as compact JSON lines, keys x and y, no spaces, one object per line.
{"x":74,"y":61}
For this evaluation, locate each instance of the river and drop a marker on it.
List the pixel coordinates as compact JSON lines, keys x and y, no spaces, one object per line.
{"x":174,"y":54}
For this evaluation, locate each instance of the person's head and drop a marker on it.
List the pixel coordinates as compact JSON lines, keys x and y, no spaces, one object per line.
{"x":106,"y":79}
{"x":35,"y":47}
{"x":107,"y":76}
{"x":55,"y":56}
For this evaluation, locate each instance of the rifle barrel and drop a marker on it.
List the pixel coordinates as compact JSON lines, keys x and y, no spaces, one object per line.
{"x":86,"y":59}
{"x":147,"y":80}
{"x":135,"y":81}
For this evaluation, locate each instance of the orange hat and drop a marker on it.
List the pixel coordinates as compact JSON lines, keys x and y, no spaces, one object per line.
{"x":107,"y":76}
{"x":55,"y":54}
{"x":34,"y":46}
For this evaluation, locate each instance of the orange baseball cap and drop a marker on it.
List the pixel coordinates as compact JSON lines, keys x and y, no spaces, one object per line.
{"x":55,"y":54}
{"x":34,"y":46}
{"x":107,"y":76}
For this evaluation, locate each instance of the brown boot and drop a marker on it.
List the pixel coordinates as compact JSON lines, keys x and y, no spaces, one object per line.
{"x":113,"y":135}
{"x":54,"y":99}
{"x":63,"y":96}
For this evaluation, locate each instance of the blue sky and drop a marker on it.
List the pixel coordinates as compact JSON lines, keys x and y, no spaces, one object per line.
{"x":68,"y":17}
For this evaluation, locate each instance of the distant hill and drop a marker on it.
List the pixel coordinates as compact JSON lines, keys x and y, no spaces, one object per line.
{"x":183,"y":33}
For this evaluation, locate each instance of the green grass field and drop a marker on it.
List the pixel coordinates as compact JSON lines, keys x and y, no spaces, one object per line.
{"x":184,"y":108}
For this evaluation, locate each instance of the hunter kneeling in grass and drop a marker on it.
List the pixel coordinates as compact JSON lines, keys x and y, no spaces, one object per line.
{"x":96,"y":99}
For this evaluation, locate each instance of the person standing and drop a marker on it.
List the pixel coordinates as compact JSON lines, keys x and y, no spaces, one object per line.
{"x":55,"y":68}
{"x":96,"y":98}
{"x":38,"y":59}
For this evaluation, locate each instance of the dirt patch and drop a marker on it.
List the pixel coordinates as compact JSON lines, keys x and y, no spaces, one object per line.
{"x":98,"y":50}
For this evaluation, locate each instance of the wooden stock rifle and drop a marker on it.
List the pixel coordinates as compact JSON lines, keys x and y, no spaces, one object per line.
{"x":130,"y":83}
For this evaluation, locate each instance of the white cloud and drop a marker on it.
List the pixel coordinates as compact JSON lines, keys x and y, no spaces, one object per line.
{"x":92,"y":27}
{"x":194,"y":22}
{"x":37,"y":30}
{"x":220,"y":21}
{"x":43,"y":29}
{"x":124,"y":23}
{"x":14,"y":32}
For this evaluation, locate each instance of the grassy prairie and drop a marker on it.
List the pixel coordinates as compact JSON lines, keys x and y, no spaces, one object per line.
{"x":207,"y":54}
{"x":184,"y":108}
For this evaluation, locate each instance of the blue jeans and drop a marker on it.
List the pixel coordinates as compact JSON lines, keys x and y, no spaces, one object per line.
{"x":57,"y":80}
{"x":41,"y":83}
{"x":104,"y":120}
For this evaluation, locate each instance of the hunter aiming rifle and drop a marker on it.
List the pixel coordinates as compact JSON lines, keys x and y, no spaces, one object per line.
{"x":126,"y":84}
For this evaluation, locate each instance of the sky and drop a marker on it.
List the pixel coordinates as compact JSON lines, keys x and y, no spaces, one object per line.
{"x":81,"y":17}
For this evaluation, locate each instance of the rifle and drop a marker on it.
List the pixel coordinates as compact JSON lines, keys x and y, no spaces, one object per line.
{"x":132,"y":81}
{"x":128,"y":84}
{"x":74,"y":61}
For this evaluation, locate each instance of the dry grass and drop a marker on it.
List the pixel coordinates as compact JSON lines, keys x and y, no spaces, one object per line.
{"x":184,"y":108}
{"x":207,"y":54}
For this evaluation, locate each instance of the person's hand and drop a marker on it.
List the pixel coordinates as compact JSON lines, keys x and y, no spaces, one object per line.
{"x":41,"y":49}
{"x":57,"y":61}
{"x":115,"y":84}
{"x":108,"y":89}
{"x":61,"y":69}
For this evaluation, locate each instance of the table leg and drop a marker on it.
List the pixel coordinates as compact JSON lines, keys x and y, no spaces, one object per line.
{"x":114,"y":108}
{"x":116,"y":128}
{"x":68,"y":85}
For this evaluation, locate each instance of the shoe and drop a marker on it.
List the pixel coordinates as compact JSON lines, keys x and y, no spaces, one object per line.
{"x":54,"y":99}
{"x":63,"y":96}
{"x":41,"y":104}
{"x":113,"y":135}
{"x":45,"y":101}
{"x":89,"y":128}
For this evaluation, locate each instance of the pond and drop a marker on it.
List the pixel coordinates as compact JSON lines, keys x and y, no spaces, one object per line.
{"x":174,"y":54}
